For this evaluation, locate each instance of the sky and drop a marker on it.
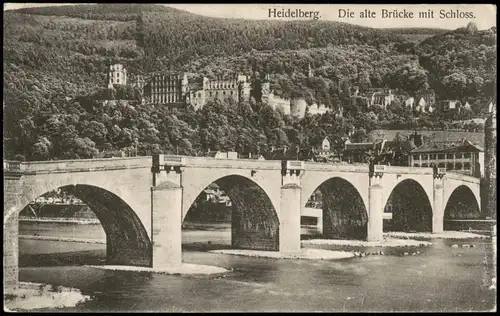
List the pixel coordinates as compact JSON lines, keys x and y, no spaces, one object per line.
{"x":484,"y":15}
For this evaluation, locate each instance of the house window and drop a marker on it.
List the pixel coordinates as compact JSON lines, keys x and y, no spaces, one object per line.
{"x":432,"y":156}
{"x":467,"y":166}
{"x":440,"y":156}
{"x":466,"y":155}
{"x":416,"y":165}
{"x":449,"y":166}
{"x":458,"y":166}
{"x":449,"y":156}
{"x":425,"y":165}
{"x":458,"y":156}
{"x":441,"y":165}
{"x":415,"y":157}
{"x":424,"y":157}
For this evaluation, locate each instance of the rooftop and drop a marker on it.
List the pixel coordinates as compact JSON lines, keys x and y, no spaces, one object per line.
{"x":450,"y":146}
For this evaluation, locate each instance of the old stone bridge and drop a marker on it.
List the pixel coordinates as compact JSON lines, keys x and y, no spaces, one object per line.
{"x":141,"y":202}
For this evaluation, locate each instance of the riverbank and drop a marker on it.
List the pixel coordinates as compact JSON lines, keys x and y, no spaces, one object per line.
{"x":34,"y":296}
{"x":305,"y":253}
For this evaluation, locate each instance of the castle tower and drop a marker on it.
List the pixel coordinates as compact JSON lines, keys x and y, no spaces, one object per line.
{"x":490,"y":171}
{"x":117,"y":74}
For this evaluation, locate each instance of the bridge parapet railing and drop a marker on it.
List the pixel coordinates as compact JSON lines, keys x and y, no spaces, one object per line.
{"x":407,"y":170}
{"x":12,"y":166}
{"x":211,"y":162}
{"x":86,"y":164}
{"x":318,"y":166}
{"x":462,"y":177}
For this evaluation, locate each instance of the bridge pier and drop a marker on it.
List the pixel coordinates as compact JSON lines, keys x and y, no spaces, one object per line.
{"x":375,"y":214}
{"x":375,"y":229}
{"x":438,"y":209}
{"x":166,"y":225}
{"x":290,"y":218}
{"x":319,"y":224}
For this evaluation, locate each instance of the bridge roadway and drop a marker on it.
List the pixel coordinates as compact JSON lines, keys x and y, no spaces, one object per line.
{"x":142,"y":201}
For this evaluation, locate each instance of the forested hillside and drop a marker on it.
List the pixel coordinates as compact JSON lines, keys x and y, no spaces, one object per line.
{"x":462,"y":63}
{"x":55,"y":62}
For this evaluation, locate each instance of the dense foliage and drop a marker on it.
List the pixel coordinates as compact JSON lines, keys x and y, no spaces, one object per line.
{"x":55,"y":71}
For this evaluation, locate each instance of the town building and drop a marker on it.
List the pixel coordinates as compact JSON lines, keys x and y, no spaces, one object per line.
{"x":358,"y":152}
{"x":249,"y":155}
{"x":166,"y":88}
{"x":428,"y":96}
{"x":460,"y":156}
{"x":117,"y":74}
{"x":383,"y":97}
{"x":447,"y":106}
{"x":314,"y":109}
{"x":323,"y":151}
{"x":236,"y":87}
{"x":383,"y":151}
{"x":421,"y":106}
{"x":410,"y":102}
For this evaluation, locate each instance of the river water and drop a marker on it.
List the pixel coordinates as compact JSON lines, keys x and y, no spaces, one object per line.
{"x":441,"y":278}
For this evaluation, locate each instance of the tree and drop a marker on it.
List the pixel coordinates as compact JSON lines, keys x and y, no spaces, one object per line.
{"x":455,"y":85}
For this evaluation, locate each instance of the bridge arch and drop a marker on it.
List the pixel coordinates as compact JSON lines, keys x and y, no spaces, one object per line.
{"x":452,"y":185}
{"x":462,"y":204}
{"x":345,"y":213}
{"x":255,"y":222}
{"x":410,"y":206}
{"x":127,"y":241}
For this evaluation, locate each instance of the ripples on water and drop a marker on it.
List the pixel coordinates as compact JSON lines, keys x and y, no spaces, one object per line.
{"x":441,"y":278}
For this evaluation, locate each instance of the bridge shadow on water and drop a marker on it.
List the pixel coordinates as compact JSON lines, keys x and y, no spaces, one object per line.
{"x":73,"y":258}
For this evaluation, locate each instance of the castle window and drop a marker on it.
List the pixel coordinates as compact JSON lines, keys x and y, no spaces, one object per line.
{"x":210,"y":93}
{"x":117,"y":80}
{"x":224,"y":93}
{"x":232,"y":92}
